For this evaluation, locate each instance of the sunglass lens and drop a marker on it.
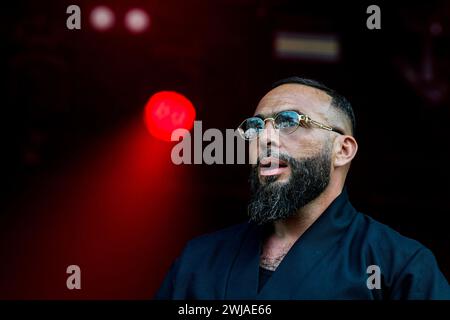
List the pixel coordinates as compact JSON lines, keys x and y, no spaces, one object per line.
{"x":251,"y":128}
{"x":287,"y":121}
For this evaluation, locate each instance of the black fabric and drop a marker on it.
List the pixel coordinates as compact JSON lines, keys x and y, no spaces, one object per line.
{"x":329,"y":261}
{"x":264,"y":275}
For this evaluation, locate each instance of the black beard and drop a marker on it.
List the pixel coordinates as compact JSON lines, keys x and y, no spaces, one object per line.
{"x":274,"y":200}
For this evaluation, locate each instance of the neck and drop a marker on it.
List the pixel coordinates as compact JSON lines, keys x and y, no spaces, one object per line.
{"x":293,"y":227}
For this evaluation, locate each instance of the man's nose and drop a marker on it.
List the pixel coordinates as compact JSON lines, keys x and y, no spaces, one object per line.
{"x":269,"y":135}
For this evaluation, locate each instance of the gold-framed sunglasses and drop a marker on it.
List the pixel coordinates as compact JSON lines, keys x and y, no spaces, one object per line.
{"x":285,"y":121}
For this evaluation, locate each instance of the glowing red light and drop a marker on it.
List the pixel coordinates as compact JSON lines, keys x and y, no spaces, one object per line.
{"x":166,"y":111}
{"x":137,"y":20}
{"x":102,"y":18}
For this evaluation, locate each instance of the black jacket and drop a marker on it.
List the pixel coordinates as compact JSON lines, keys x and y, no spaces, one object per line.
{"x":329,"y":261}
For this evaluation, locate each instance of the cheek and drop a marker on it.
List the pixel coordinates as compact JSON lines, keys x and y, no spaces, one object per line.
{"x":301,"y":146}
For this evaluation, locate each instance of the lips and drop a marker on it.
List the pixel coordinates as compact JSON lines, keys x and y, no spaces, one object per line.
{"x":272,"y":166}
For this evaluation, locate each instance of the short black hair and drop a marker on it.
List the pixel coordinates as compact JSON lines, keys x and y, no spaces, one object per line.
{"x":337,"y":100}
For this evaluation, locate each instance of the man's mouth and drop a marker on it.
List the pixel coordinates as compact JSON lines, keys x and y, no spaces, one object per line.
{"x":271,"y":166}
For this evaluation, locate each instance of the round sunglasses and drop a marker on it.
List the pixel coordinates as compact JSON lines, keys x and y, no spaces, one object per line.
{"x":285,"y":121}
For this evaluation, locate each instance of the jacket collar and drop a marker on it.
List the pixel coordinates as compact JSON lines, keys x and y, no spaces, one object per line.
{"x":317,"y":240}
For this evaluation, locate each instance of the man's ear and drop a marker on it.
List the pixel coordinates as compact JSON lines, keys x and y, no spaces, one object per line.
{"x":345,"y":148}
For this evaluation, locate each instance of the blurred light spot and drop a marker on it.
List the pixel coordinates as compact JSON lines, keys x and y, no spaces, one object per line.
{"x":167,"y":111}
{"x":436,"y":29}
{"x":319,"y":47}
{"x":137,"y":20}
{"x":102,"y":18}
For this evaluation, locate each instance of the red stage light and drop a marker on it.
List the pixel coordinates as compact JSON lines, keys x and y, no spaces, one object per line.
{"x":102,"y":18}
{"x":137,"y":20}
{"x":166,"y":111}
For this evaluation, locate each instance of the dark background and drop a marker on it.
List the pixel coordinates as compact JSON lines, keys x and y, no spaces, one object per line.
{"x":83,"y":183}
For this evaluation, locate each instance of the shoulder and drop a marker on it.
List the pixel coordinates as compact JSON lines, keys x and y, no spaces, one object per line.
{"x":385,"y":238}
{"x":391,"y":251}
{"x":384,"y":243}
{"x":410,"y":268}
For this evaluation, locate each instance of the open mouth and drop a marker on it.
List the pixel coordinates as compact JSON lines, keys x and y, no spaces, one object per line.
{"x":272,"y":166}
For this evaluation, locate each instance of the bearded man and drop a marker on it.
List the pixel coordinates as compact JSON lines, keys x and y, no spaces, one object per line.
{"x":304,"y":239}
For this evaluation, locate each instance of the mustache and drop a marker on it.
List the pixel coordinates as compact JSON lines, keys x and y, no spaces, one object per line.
{"x":278,"y":155}
{"x":275,"y":160}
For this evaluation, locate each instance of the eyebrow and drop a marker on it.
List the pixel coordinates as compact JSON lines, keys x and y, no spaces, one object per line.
{"x":272,"y":115}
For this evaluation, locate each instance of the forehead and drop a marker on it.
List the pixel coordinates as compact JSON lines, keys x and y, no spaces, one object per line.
{"x":308,"y":100}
